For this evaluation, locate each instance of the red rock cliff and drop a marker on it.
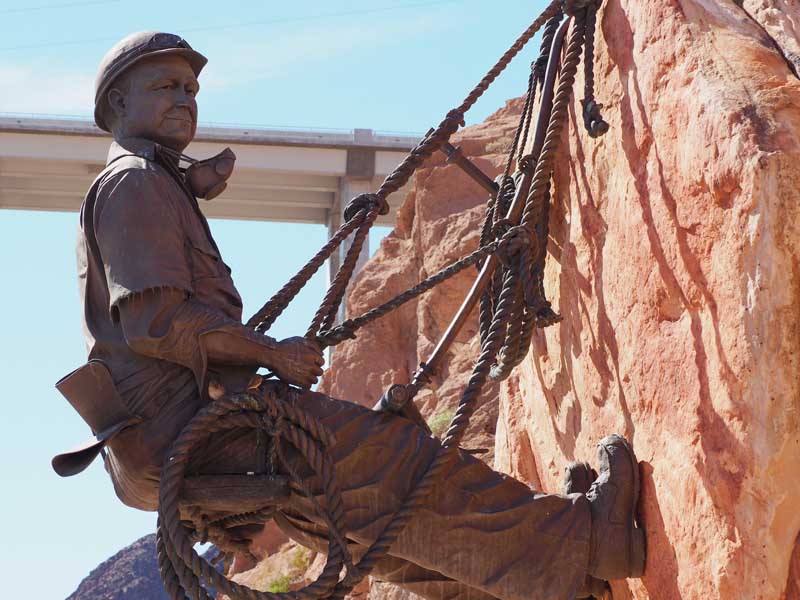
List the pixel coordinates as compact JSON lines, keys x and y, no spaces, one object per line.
{"x":674,"y":260}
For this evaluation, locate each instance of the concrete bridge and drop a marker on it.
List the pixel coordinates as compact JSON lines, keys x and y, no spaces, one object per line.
{"x":301,"y":176}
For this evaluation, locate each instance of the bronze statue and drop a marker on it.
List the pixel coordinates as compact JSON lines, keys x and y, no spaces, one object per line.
{"x":162,"y":319}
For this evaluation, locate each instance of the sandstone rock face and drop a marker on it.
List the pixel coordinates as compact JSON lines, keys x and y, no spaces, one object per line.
{"x":674,"y":260}
{"x":286,"y":567}
{"x":675,"y":264}
{"x":781,"y":24}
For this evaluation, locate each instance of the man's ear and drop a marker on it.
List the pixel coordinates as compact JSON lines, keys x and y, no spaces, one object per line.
{"x":116,"y":102}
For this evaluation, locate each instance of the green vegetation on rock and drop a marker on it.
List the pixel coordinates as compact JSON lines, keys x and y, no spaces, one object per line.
{"x":279,"y":584}
{"x":439,"y":422}
{"x":300,"y":559}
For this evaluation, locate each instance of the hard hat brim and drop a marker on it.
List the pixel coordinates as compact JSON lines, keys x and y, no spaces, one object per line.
{"x":196,"y":60}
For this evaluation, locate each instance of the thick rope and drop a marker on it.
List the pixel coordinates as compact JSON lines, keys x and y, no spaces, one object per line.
{"x":182,"y":568}
{"x":326,"y":314}
{"x":346,"y":330}
{"x":535,"y":217}
{"x":269,"y":313}
{"x":516,"y":303}
{"x":593,"y":120}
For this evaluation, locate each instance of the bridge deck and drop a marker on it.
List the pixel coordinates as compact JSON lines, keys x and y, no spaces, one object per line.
{"x":281,"y":175}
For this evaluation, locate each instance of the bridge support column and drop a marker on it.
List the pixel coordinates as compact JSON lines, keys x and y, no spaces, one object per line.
{"x":357,"y":180}
{"x":348,"y":189}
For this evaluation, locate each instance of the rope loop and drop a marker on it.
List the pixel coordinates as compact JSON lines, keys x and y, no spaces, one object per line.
{"x":592,"y":119}
{"x":453,"y":120}
{"x":516,"y":241}
{"x":271,"y":408}
{"x":366,"y":201}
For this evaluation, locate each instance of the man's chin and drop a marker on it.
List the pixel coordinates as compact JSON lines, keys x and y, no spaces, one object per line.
{"x":176,"y":140}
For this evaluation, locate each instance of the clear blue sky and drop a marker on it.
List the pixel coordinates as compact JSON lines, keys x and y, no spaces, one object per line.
{"x":389,"y":65}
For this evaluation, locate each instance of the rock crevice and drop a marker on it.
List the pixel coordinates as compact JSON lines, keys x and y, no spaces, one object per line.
{"x":790,"y":56}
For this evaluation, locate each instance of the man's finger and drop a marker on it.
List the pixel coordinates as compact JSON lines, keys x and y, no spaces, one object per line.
{"x":313,"y":345}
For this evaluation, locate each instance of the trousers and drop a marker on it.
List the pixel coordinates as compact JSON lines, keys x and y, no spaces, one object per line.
{"x":481,"y":534}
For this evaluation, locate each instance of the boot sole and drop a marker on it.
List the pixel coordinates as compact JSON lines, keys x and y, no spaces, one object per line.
{"x":637,"y":551}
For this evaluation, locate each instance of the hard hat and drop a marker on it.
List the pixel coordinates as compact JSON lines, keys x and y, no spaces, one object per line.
{"x":130,"y":50}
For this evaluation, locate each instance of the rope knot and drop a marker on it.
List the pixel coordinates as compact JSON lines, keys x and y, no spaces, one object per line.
{"x":200,"y":524}
{"x":454,"y":119}
{"x":395,"y":398}
{"x":592,"y":119}
{"x":546,"y":316}
{"x":514,"y":241}
{"x":501,"y":228}
{"x":368,"y":202}
{"x":346,"y":330}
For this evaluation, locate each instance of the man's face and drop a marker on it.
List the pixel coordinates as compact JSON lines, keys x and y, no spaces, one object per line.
{"x":159,"y":104}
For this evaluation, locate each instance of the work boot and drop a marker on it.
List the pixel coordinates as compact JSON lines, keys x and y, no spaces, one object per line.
{"x":578,"y":478}
{"x":617,"y":547}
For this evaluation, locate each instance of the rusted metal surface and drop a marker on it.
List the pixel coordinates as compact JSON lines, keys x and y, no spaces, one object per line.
{"x":455,"y":156}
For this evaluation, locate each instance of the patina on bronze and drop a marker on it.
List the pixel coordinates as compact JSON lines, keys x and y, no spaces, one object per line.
{"x":163,"y":316}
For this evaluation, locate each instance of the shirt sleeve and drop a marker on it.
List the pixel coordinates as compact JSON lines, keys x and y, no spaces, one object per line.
{"x":140,"y":236}
{"x":163,"y":323}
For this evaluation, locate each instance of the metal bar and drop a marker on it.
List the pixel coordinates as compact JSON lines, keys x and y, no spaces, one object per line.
{"x":514,"y":214}
{"x":455,"y":156}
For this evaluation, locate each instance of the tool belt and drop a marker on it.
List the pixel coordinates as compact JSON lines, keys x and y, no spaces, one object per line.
{"x":91,"y":392}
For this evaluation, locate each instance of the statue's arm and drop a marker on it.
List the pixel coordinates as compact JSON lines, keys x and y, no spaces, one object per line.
{"x":165,"y":323}
{"x":142,"y":243}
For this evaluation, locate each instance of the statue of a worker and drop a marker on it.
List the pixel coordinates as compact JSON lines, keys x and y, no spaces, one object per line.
{"x":162,"y":319}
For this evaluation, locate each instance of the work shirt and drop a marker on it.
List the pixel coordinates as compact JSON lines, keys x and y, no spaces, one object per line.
{"x":152,"y":282}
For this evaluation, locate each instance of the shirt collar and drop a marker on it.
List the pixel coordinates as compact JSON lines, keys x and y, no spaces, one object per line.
{"x":138,"y":146}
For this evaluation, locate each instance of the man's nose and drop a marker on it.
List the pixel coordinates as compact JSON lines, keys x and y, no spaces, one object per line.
{"x":182,"y":97}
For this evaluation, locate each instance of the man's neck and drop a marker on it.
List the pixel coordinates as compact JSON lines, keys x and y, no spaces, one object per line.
{"x":148,"y":149}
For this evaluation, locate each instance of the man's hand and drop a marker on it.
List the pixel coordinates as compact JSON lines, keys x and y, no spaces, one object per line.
{"x":297,"y":361}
